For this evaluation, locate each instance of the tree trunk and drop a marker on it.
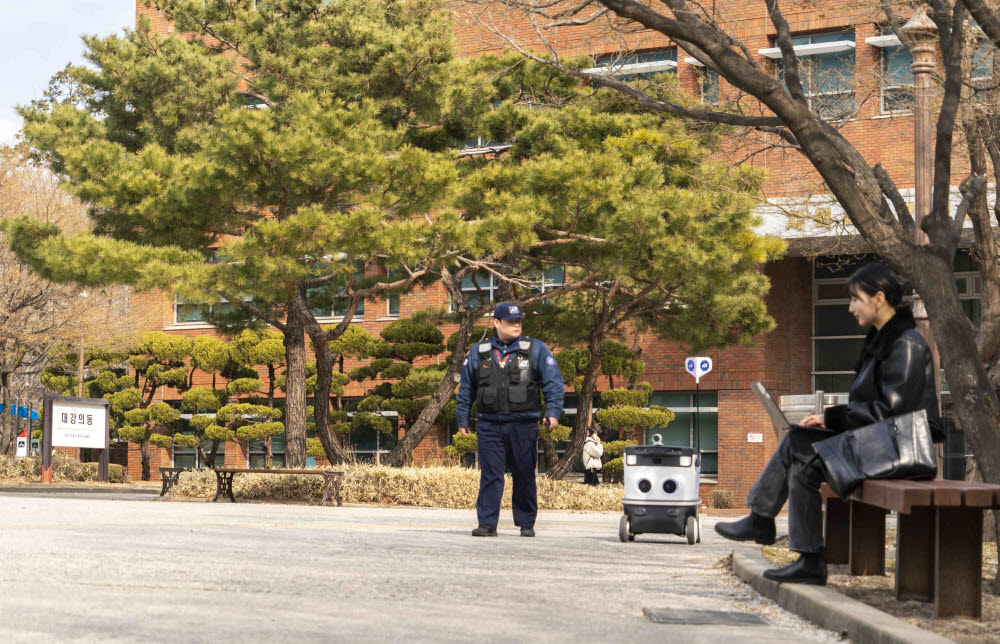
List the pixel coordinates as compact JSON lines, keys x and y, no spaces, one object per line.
{"x":5,"y":435}
{"x":270,"y":387}
{"x":267,"y":452}
{"x":548,"y":450}
{"x":144,"y":450}
{"x":324,"y":379}
{"x":584,"y":408}
{"x":203,"y":456}
{"x":295,"y":391}
{"x":402,"y":453}
{"x":210,"y":460}
{"x":977,"y":407}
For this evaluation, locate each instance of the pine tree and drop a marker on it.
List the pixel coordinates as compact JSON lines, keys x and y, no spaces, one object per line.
{"x":271,"y":210}
{"x":631,"y":201}
{"x":403,"y":388}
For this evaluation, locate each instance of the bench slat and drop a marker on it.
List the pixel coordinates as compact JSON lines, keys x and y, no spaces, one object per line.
{"x":903,"y":496}
{"x":975,"y":494}
{"x":942,"y":495}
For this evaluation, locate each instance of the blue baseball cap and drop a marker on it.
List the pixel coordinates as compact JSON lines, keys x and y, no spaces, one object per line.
{"x":507,"y":311}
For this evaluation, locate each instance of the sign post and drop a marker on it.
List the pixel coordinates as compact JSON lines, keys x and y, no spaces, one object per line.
{"x":76,"y":422}
{"x":698,"y":366}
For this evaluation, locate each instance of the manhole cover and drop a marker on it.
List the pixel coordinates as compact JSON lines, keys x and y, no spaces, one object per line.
{"x":703,"y":617}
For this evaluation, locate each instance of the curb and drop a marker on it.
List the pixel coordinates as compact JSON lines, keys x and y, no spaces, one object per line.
{"x":54,"y":489}
{"x":831,"y":610}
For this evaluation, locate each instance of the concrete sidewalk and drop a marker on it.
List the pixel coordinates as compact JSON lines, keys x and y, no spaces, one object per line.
{"x":103,"y":570}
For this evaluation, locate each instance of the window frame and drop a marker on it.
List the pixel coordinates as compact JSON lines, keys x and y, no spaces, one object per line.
{"x":887,"y":43}
{"x":819,"y":49}
{"x":693,"y":423}
{"x":616,"y":65}
{"x":193,"y":451}
{"x":178,"y":302}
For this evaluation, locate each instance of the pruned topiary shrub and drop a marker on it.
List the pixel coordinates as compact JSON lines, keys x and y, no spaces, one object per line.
{"x":614,"y":470}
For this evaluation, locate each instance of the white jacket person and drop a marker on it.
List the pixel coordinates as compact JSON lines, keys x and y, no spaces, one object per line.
{"x":592,"y":452}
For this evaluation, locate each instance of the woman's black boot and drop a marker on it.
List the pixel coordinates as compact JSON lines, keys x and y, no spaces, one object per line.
{"x":752,"y":527}
{"x":809,"y":569}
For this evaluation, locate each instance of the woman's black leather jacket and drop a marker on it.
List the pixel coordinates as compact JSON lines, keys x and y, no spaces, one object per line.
{"x":895,"y":375}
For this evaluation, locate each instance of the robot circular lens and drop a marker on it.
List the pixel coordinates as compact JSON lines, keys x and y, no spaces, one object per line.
{"x":670,"y":486}
{"x":645,"y":486}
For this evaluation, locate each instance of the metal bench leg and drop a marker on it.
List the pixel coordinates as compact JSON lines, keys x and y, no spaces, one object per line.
{"x":914,"y":553}
{"x":867,"y":542}
{"x":326,"y":489}
{"x":838,"y":535}
{"x":218,"y":486}
{"x":958,"y":562}
{"x":165,"y":486}
{"x":336,"y":490}
{"x":224,"y":485}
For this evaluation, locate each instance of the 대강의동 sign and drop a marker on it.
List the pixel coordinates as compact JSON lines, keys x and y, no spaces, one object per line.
{"x":79,"y":424}
{"x":698,"y":367}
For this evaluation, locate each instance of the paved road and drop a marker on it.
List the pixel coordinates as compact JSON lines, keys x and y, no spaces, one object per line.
{"x":132,"y":569}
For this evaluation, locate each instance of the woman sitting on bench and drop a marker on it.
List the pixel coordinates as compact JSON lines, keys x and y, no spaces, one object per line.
{"x":894,"y":375}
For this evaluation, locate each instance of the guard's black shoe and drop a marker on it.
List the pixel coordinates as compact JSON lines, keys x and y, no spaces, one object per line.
{"x":527,"y":532}
{"x":752,"y":527}
{"x":809,"y":569}
{"x":485,"y":531}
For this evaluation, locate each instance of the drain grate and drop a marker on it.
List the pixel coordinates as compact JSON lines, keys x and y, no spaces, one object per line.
{"x":703,"y":617}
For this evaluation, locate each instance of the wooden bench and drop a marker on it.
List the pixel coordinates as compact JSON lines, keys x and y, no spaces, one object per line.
{"x":170,"y":476}
{"x":224,"y":481}
{"x":939,"y":538}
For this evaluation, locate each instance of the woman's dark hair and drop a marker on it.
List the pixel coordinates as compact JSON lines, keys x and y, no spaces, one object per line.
{"x":872,"y":278}
{"x":592,"y":431}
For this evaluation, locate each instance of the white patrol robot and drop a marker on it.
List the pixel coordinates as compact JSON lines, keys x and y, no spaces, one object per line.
{"x":661,"y":491}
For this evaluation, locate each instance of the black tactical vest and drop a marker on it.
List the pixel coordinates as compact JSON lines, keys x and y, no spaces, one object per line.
{"x":509,"y":388}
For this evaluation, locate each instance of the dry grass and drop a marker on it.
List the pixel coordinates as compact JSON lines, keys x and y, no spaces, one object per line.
{"x":64,"y":470}
{"x":442,"y":487}
{"x":878,"y":591}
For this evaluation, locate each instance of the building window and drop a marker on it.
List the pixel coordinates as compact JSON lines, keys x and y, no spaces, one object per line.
{"x":188,"y":313}
{"x":188,"y":456}
{"x":392,"y":300}
{"x":552,"y":277}
{"x":370,"y":445}
{"x":255,"y":453}
{"x":897,"y":80}
{"x":982,"y":61}
{"x":331,"y":302}
{"x":480,"y":287}
{"x":696,"y":424}
{"x":837,"y":337}
{"x":826,"y":67}
{"x":709,"y":81}
{"x":639,"y":66}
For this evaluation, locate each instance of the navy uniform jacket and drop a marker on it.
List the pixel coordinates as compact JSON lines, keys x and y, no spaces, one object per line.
{"x":541,"y":361}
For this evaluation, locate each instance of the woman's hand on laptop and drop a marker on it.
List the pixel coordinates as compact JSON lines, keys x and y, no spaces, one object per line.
{"x":816,"y":420}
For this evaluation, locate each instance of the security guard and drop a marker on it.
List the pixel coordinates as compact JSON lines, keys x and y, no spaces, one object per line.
{"x":506,"y":377}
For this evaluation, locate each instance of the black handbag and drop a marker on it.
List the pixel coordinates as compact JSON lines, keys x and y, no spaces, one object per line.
{"x":900,"y":447}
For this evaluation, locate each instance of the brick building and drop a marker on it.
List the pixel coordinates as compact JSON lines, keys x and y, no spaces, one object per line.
{"x":816,"y":341}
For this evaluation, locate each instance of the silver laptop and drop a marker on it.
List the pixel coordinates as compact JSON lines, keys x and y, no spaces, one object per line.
{"x":773,"y":410}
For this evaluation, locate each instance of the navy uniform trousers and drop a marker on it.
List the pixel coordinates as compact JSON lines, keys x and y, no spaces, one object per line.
{"x":507,"y":444}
